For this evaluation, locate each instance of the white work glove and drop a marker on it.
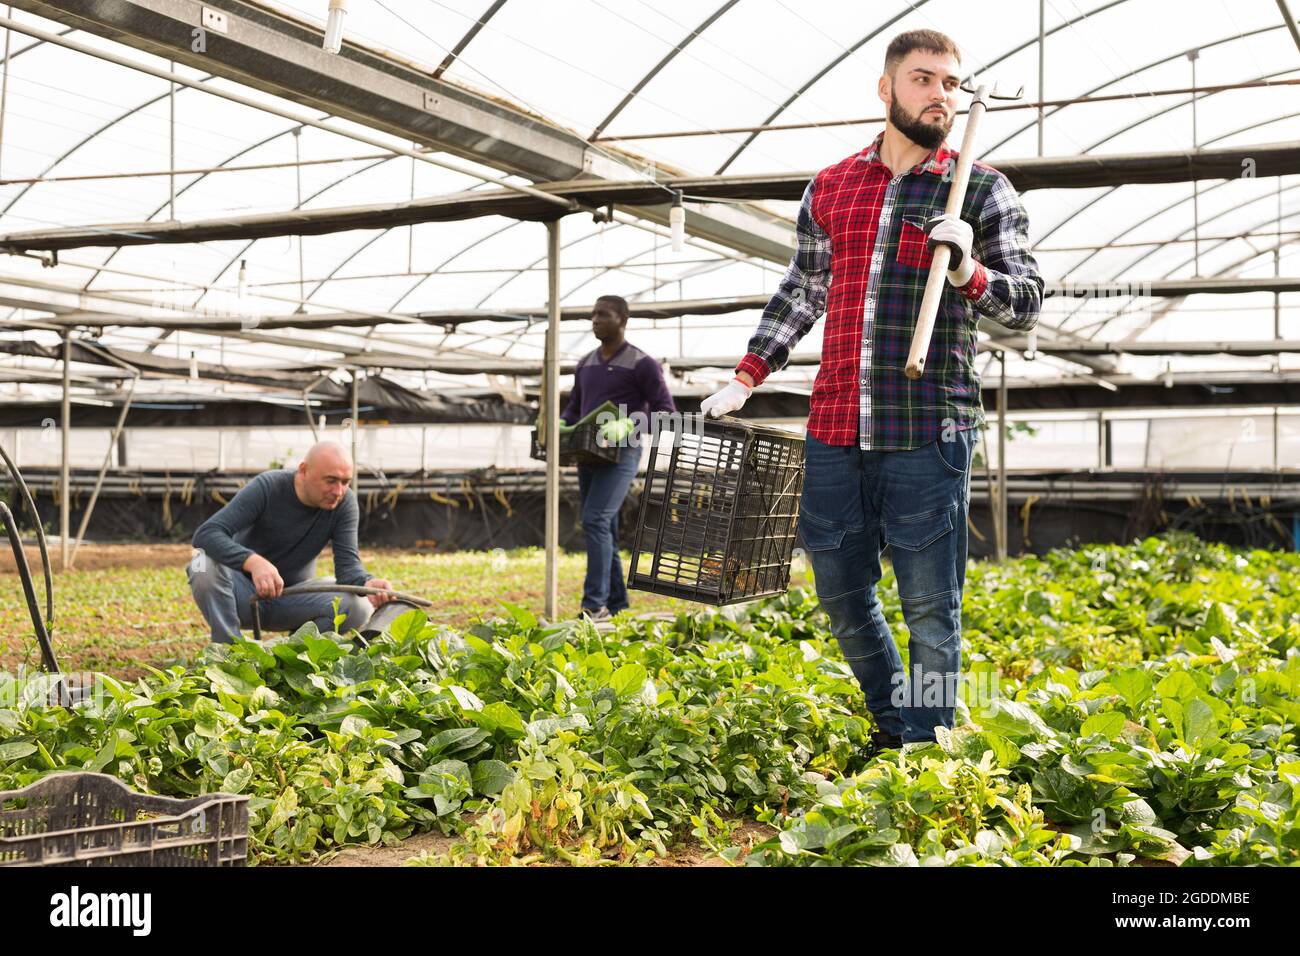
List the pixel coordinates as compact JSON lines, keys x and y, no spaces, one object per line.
{"x":955,"y":233}
{"x":726,"y":400}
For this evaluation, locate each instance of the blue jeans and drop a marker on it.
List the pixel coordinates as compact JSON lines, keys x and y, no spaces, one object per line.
{"x":855,"y":502}
{"x":603,"y":489}
{"x":225,"y":599}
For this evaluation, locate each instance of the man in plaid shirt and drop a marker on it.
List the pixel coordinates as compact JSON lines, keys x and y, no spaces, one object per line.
{"x":887,"y":458}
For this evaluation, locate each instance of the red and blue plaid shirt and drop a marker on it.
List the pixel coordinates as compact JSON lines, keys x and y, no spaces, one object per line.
{"x":862,"y":258}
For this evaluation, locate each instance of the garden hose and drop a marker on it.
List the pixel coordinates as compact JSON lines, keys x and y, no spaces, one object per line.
{"x":40,"y":534}
{"x":323,"y":587}
{"x":29,"y":591}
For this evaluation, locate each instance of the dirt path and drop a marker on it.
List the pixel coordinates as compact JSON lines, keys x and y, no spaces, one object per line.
{"x":100,"y":557}
{"x":688,"y":853}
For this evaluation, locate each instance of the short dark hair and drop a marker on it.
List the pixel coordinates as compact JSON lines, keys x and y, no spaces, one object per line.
{"x":931,"y":41}
{"x":617,"y":301}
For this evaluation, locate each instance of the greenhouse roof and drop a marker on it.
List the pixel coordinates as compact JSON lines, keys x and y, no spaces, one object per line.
{"x":1162,"y":168}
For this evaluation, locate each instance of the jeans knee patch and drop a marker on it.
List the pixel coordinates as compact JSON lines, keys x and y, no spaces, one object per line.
{"x":860,"y":646}
{"x":934,"y":620}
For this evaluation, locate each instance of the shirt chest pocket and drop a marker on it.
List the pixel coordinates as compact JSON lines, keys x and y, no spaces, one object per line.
{"x":913,"y":250}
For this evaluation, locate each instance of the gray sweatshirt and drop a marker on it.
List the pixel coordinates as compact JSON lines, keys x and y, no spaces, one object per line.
{"x":267,"y":518}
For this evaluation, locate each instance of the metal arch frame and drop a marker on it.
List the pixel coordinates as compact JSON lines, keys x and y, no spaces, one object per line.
{"x":454,"y":53}
{"x":1097,"y":328}
{"x":849,"y":51}
{"x":655,"y":246}
{"x":366,"y":244}
{"x":702,"y":269}
{"x":1255,"y":254}
{"x":668,"y":58}
{"x":13,"y":56}
{"x":1004,"y":56}
{"x":1129,"y":128}
{"x":1160,"y":212}
{"x":721,"y":258}
{"x":1169,"y":307}
{"x":1177,"y":106}
{"x":248,"y":245}
{"x":242,"y":252}
{"x":605,"y":270}
{"x":67,"y":154}
{"x":144,"y":106}
{"x":1128,"y":76}
{"x":439,"y":267}
{"x":1096,"y":199}
{"x":912,"y":7}
{"x":200,"y":178}
{"x":357,"y":251}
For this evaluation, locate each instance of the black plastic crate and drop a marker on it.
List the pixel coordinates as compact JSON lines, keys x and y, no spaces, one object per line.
{"x":581,"y":446}
{"x":92,"y":819}
{"x":719,"y":512}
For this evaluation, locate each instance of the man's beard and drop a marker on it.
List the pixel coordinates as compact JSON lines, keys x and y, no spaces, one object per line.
{"x":929,"y":135}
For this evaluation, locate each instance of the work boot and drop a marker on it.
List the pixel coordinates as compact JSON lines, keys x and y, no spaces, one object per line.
{"x":595,"y":614}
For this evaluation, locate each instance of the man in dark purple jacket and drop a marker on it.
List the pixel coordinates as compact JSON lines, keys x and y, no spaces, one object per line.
{"x":620,"y":373}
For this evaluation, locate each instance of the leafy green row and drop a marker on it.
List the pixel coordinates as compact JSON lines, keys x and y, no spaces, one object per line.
{"x":1122,"y":702}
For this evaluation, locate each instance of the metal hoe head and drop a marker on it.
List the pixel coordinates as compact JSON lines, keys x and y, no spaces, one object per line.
{"x":998,"y":90}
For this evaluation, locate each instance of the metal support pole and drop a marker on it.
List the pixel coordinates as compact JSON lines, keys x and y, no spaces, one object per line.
{"x":1042,"y":14}
{"x":1276,"y":436}
{"x":1277,"y":266}
{"x":297,"y":176}
{"x":551,"y":408}
{"x":356,"y":469}
{"x":103,"y":470}
{"x":4,"y":80}
{"x":410,"y":230}
{"x":1101,"y":441}
{"x":311,"y":422}
{"x":1194,"y":55}
{"x":65,"y":473}
{"x":171,"y":144}
{"x":1002,"y":457}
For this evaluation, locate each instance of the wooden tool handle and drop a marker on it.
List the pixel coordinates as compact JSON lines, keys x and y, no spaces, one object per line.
{"x":942,"y":254}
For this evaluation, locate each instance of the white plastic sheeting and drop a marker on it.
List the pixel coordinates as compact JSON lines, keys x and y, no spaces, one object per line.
{"x":573,"y":62}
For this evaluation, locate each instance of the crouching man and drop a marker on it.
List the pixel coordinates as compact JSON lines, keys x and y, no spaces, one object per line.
{"x":268,"y":538}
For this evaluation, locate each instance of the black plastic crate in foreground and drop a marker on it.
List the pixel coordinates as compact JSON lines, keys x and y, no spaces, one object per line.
{"x":719,"y":511}
{"x":581,"y":446}
{"x":92,"y":819}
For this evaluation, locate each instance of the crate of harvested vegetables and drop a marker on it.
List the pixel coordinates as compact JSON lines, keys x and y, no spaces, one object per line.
{"x":92,"y":819}
{"x":719,"y":510}
{"x":581,"y":445}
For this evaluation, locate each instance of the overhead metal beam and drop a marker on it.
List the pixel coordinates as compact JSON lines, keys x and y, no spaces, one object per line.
{"x":1020,"y":343}
{"x":1061,"y":172}
{"x":101,"y":310}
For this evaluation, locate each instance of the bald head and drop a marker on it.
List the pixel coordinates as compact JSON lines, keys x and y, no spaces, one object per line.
{"x":329,"y":453}
{"x":324,"y":475}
